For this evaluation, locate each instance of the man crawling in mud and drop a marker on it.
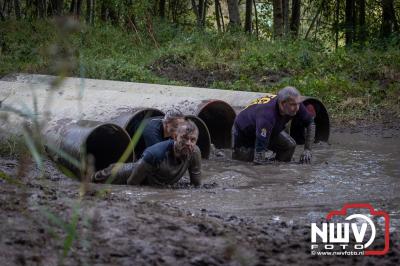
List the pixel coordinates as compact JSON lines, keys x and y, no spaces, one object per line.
{"x":163,"y":163}
{"x":259,"y":129}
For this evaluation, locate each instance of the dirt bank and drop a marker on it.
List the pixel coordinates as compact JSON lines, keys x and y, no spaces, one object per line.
{"x":178,"y":69}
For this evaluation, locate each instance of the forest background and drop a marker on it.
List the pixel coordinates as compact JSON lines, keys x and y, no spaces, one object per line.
{"x":345,"y":52}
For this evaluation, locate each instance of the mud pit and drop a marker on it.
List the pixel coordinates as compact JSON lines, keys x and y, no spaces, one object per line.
{"x":243,"y":215}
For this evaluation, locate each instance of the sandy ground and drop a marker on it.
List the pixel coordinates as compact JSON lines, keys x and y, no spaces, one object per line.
{"x":236,"y":218}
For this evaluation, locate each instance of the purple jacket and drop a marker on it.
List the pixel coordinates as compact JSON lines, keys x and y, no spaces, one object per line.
{"x":263,"y":122}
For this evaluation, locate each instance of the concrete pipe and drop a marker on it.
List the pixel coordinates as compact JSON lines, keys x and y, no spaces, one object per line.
{"x":131,"y":121}
{"x":237,"y":99}
{"x":118,"y":106}
{"x":321,"y":120}
{"x":127,"y":94}
{"x":219,"y":117}
{"x":104,"y":142}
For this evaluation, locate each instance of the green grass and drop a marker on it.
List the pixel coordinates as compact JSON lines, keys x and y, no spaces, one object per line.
{"x":353,"y":83}
{"x":12,"y":147}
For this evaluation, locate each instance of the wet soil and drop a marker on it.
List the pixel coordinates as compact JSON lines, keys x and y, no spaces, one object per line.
{"x":177,"y":68}
{"x":242,"y":215}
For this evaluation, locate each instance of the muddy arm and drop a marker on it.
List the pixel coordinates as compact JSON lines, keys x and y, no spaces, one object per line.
{"x":139,"y":173}
{"x":195,"y":168}
{"x":309,"y":136}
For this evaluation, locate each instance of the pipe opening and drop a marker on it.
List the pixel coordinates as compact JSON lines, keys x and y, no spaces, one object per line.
{"x":204,"y":140}
{"x":106,"y":143}
{"x":131,"y":122}
{"x":135,"y":119}
{"x":219,"y":117}
{"x":321,"y":119}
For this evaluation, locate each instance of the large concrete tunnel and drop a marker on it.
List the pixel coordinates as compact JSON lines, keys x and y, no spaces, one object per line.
{"x":237,"y":99}
{"x":127,"y":104}
{"x":131,"y":121}
{"x":90,"y":142}
{"x":321,"y":120}
{"x":219,"y":117}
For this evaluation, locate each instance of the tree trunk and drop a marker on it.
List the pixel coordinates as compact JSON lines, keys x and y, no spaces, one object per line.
{"x":234,"y":17}
{"x":2,"y":18}
{"x":285,"y":12}
{"x":349,"y":22}
{"x":362,"y":32}
{"x":221,"y":16}
{"x":203,"y":12}
{"x":78,"y":8}
{"x":113,"y":15}
{"x":41,"y":8}
{"x":57,"y":6}
{"x":197,"y":12}
{"x":295,"y":22}
{"x":278,"y":18}
{"x":17,"y":9}
{"x":217,"y":18}
{"x":256,"y":17}
{"x":90,"y":12}
{"x":161,"y":8}
{"x":103,"y":11}
{"x":389,"y":21}
{"x":248,"y":20}
{"x":337,"y":24}
{"x":75,"y":8}
{"x":72,"y":7}
{"x":315,"y":18}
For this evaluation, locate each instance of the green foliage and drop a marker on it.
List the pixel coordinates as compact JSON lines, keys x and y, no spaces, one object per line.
{"x":371,"y":73}
{"x":12,"y":147}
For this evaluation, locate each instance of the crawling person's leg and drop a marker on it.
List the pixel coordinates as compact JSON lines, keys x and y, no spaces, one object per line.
{"x":284,"y":146}
{"x":243,"y":147}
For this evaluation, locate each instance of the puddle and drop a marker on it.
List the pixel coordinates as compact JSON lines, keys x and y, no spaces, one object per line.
{"x":353,"y":169}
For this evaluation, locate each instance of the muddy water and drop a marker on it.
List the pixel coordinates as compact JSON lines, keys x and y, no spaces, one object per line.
{"x":353,"y":168}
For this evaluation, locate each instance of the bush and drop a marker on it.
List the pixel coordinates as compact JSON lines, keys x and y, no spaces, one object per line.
{"x":108,"y":52}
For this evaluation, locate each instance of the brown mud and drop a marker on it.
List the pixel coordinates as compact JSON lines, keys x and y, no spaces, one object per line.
{"x":177,"y":68}
{"x":242,"y":215}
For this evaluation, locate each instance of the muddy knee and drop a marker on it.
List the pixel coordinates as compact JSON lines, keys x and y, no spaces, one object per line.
{"x":243,"y":154}
{"x":286,"y":148}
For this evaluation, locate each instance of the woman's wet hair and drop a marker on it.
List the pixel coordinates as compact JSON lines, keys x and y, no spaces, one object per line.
{"x":187,"y":127}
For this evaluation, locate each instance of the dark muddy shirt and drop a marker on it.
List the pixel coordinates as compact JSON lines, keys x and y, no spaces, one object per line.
{"x":159,"y":166}
{"x":263,"y":122}
{"x":153,"y":132}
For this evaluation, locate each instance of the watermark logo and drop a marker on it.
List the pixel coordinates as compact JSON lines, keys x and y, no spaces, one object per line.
{"x":347,"y":233}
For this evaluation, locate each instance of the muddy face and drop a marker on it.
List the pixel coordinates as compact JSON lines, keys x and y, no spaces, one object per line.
{"x":290,"y":106}
{"x":172,"y":126}
{"x":185,"y":143}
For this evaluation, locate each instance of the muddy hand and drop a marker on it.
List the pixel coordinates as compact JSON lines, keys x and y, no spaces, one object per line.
{"x":259,"y":159}
{"x":306,"y":157}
